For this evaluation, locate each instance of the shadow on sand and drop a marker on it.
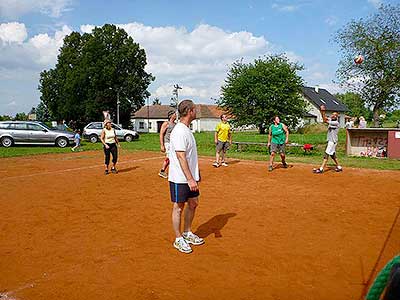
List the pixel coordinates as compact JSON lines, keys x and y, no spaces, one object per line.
{"x":214,"y":225}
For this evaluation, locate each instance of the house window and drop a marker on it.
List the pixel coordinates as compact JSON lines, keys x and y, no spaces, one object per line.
{"x":150,"y":125}
{"x":141,"y":125}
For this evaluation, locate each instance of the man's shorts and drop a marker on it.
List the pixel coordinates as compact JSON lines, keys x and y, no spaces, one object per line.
{"x":180,"y":192}
{"x":166,"y":149}
{"x":278,"y":148}
{"x":331,"y":148}
{"x":224,"y":146}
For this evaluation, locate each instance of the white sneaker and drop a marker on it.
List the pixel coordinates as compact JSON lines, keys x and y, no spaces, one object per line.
{"x":193,"y":239}
{"x":216,"y":164}
{"x":224,"y":164}
{"x":182,"y":245}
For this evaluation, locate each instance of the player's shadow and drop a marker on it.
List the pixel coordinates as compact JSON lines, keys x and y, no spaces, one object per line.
{"x":279,"y":166}
{"x":126,"y":170}
{"x":214,"y":225}
{"x":232,"y":162}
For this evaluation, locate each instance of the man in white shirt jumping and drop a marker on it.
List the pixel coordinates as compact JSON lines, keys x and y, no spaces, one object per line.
{"x":183,"y":177}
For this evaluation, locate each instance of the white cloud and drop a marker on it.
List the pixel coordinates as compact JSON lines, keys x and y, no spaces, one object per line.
{"x":16,"y":8}
{"x":87,"y":28}
{"x":331,"y":20}
{"x":375,"y":3}
{"x":285,"y":8}
{"x":13,"y":32}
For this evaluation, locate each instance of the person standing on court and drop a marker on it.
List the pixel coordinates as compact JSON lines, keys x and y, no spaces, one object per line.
{"x":278,"y":137}
{"x":110,"y":142}
{"x":332,"y":137}
{"x":165,"y":133}
{"x":183,"y":178}
{"x":222,"y":139}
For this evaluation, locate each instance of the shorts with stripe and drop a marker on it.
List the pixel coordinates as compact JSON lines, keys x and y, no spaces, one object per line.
{"x":180,"y":192}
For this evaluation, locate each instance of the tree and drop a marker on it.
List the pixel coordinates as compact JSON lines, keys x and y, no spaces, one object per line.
{"x":93,"y":71}
{"x":21,"y":117}
{"x":42,"y":112}
{"x":355,"y":104}
{"x":255,"y":92}
{"x":156,"y":101}
{"x":377,"y":38}
{"x":5,"y":118}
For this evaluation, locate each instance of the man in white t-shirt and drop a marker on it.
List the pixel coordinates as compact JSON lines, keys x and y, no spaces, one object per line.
{"x":183,"y":177}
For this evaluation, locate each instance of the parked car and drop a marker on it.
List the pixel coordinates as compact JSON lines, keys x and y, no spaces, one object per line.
{"x":32,"y":132}
{"x":92,"y":132}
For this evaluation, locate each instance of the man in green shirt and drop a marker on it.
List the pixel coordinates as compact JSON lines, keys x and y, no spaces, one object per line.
{"x":278,"y":137}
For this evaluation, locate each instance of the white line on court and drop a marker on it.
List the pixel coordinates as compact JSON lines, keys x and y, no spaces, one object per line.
{"x":78,"y":169}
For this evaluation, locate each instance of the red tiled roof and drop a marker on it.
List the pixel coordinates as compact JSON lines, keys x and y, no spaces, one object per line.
{"x":203,"y":111}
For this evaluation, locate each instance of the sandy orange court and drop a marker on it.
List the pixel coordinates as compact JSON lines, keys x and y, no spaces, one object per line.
{"x":69,"y":232}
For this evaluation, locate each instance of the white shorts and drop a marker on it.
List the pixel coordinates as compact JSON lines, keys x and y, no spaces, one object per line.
{"x":330,"y":148}
{"x":166,"y":149}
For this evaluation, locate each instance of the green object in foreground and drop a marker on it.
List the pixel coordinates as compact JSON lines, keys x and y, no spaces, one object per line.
{"x":381,"y":280}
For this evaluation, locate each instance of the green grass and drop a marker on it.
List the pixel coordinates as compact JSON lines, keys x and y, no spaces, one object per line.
{"x":206,"y":147}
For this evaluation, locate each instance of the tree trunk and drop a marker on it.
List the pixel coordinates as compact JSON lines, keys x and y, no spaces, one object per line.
{"x":376,"y":115}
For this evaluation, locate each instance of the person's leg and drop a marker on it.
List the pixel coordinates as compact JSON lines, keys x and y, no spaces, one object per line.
{"x":107,"y":158}
{"x":165,"y":164}
{"x":334,"y":158}
{"x":114,"y":152}
{"x":189,"y":213}
{"x":271,"y":160}
{"x":176,"y":218}
{"x":218,"y":149}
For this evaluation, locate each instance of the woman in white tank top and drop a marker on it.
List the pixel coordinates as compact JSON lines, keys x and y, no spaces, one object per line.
{"x":110,"y":141}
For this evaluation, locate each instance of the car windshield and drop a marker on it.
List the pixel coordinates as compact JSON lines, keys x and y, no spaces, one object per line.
{"x":44,"y":125}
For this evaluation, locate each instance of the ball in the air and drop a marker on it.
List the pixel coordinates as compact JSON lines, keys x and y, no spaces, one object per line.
{"x":358,"y":59}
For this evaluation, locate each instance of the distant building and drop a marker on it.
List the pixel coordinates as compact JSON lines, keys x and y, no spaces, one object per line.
{"x":150,"y":118}
{"x":317,"y":97}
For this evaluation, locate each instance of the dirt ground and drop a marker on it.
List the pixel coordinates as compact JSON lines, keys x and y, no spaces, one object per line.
{"x":70,"y":232}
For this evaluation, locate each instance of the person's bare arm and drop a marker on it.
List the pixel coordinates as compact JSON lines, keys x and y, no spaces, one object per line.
{"x":269,"y":137}
{"x":323,"y":114}
{"x":102,"y":137}
{"x":181,"y":155}
{"x":287,"y":133}
{"x":163,"y":130}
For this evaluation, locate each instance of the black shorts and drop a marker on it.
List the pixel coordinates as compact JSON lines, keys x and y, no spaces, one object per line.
{"x":180,"y":192}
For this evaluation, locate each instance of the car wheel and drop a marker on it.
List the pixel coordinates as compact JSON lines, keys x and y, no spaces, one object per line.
{"x":129,"y":138}
{"x":62,"y":142}
{"x":93,"y":138}
{"x":7,"y":142}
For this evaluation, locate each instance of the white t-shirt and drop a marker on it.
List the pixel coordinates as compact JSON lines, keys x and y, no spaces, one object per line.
{"x":182,"y":139}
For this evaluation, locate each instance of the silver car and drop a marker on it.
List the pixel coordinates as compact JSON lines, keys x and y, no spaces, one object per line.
{"x":92,"y":132}
{"x":31,"y":132}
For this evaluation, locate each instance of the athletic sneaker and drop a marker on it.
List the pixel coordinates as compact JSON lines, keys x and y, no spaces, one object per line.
{"x":338,"y":169}
{"x":318,"y":171}
{"x":106,"y":172}
{"x":163,"y":174}
{"x":182,"y":246}
{"x":285,"y":165}
{"x":224,"y":164}
{"x":215,"y":164}
{"x":114,"y":170}
{"x":270,"y":168}
{"x":193,"y":239}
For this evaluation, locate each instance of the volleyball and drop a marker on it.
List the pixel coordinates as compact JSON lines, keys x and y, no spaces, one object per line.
{"x":358,"y":59}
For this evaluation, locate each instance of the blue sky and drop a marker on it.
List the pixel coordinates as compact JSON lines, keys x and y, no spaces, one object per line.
{"x":192,"y":43}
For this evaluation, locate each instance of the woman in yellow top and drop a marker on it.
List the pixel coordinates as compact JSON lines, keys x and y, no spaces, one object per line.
{"x":109,"y":139}
{"x":223,"y":139}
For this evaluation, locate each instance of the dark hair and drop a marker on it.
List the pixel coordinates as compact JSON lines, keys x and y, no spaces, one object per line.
{"x":393,"y":286}
{"x":184,"y":107}
{"x":221,"y":116}
{"x":170,"y":113}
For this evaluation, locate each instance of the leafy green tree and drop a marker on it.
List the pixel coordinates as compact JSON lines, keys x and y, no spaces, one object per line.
{"x":255,"y":92}
{"x":42,"y":113}
{"x":5,"y":118}
{"x":355,"y":104}
{"x":93,"y":72}
{"x":377,"y":38}
{"x":21,"y":117}
{"x":156,"y":101}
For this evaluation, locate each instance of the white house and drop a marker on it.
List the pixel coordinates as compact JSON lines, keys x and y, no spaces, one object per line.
{"x":317,"y":97}
{"x":150,"y":118}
